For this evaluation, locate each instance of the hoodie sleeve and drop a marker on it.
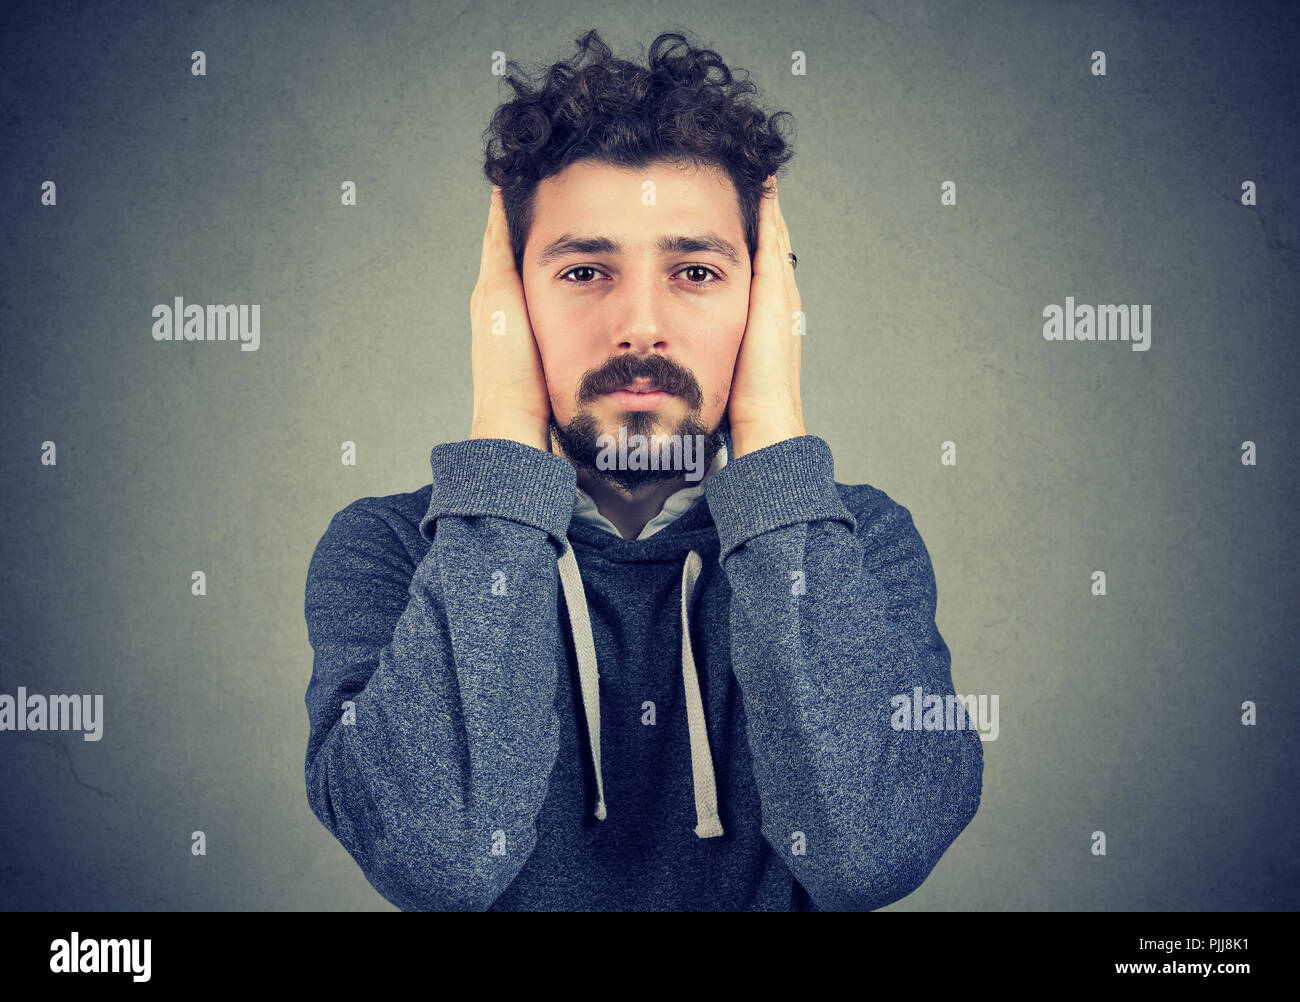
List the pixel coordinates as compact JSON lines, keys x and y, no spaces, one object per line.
{"x":877,"y":807}
{"x":432,"y":697}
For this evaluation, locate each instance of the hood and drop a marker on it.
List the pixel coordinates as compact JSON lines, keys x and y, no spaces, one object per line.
{"x":691,"y":534}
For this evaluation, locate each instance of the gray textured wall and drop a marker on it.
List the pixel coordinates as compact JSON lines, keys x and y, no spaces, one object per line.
{"x":1119,"y":713}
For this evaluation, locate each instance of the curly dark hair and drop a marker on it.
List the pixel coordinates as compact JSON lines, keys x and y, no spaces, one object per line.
{"x":617,"y":112}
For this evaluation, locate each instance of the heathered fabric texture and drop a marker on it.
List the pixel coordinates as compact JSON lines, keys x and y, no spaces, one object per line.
{"x":466,"y":780}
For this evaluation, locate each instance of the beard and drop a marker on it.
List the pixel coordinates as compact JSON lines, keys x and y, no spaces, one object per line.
{"x":580,"y":441}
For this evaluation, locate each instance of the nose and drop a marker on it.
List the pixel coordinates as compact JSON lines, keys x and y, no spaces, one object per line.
{"x":641,"y":304}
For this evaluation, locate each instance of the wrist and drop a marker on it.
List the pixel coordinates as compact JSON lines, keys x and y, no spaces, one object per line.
{"x":527,"y":431}
{"x":745,"y":440}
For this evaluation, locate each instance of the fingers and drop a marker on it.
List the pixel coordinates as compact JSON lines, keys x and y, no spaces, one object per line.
{"x":765,"y":259}
{"x":781,"y":228}
{"x":487,"y":230}
{"x":787,"y":270}
{"x":773,"y":257}
{"x":495,"y":235}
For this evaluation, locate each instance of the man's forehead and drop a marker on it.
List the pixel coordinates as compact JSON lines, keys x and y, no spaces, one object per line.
{"x":680,"y":195}
{"x":682,"y":176}
{"x":590,"y":208}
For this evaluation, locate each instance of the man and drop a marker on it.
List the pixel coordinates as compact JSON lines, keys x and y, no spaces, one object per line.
{"x":563,"y":677}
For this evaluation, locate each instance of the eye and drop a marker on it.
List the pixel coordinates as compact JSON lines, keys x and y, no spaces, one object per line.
{"x":717,"y":276}
{"x":581,"y":267}
{"x":701,"y":267}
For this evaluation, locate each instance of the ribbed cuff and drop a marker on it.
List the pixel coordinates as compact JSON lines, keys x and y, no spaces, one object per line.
{"x":504,"y":479}
{"x":782,"y":484}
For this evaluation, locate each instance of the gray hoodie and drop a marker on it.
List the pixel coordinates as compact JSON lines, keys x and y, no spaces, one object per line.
{"x":514,"y":709}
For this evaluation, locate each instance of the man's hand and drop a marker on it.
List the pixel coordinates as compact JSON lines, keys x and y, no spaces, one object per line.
{"x":510,"y":398}
{"x":765,"y":405}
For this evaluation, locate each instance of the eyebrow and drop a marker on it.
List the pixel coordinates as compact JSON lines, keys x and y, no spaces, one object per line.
{"x":677,"y":243}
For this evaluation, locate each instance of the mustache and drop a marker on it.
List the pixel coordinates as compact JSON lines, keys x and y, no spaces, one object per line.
{"x":666,"y":374}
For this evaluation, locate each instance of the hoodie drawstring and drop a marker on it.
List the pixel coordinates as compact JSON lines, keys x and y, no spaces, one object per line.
{"x":708,"y":824}
{"x":580,"y":625}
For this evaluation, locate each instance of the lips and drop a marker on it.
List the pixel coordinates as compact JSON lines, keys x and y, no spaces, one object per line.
{"x":637,"y":387}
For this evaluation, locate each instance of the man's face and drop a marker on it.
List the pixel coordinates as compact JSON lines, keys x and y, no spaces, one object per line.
{"x":625,"y":291}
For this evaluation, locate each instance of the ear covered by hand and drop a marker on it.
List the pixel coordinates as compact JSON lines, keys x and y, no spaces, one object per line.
{"x":765,"y":405}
